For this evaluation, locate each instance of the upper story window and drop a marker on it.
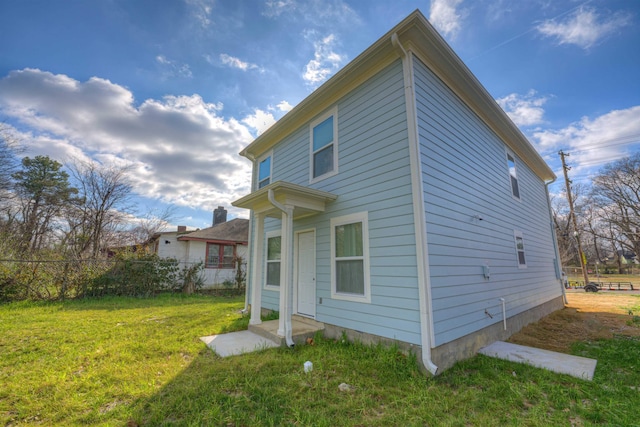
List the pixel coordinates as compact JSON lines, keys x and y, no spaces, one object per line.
{"x":511,"y":164}
{"x":522,"y":262}
{"x":324,"y":146}
{"x":220,"y":256}
{"x":264,"y":172}
{"x":350,"y":258}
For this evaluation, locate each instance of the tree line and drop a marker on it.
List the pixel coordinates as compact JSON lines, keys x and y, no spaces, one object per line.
{"x":607,"y":211}
{"x":79,"y":210}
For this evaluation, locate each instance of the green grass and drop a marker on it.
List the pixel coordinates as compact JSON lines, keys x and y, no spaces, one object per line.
{"x":139,"y":362}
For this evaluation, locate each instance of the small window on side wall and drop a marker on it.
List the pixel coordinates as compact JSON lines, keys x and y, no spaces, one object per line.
{"x":324,"y":146}
{"x":519,"y":240}
{"x":511,"y":164}
{"x":264,"y":172}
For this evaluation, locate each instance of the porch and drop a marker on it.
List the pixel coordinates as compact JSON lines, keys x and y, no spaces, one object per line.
{"x":261,"y":336}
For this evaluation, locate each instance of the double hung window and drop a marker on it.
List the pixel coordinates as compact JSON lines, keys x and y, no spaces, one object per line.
{"x":350,"y":258}
{"x":264,"y":172}
{"x":324,"y":146}
{"x":220,"y":256}
{"x":273,"y":260}
{"x":511,"y":164}
{"x":519,"y":240}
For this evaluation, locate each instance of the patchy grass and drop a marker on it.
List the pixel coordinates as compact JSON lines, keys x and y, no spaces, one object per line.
{"x":88,"y":361}
{"x":139,"y":362}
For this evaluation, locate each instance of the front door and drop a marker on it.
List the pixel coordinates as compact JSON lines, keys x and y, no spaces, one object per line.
{"x":306,"y":274}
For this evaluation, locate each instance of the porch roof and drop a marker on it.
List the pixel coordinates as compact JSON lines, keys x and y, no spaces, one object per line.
{"x":304,"y":200}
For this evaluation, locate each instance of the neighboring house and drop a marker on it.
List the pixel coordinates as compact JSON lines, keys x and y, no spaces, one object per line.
{"x":220,"y":247}
{"x":399,"y":203}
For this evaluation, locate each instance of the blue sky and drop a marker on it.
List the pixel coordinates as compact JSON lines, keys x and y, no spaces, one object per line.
{"x":176,"y":88}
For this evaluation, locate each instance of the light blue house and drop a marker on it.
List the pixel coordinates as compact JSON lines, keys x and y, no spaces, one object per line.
{"x":399,"y":203}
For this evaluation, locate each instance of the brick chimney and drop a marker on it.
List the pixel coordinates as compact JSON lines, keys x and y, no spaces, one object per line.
{"x":219,"y":215}
{"x":182,"y":228}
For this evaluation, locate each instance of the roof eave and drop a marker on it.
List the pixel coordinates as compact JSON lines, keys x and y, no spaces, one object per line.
{"x":417,"y":35}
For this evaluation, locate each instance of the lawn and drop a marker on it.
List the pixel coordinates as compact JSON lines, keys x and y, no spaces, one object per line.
{"x":127,"y":361}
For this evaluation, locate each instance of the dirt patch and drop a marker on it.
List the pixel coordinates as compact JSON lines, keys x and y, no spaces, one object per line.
{"x":587,"y":317}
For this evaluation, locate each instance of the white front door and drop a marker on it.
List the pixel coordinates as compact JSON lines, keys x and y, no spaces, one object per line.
{"x":306,"y":274}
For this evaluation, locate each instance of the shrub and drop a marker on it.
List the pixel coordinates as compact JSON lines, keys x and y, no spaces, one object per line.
{"x":136,"y":274}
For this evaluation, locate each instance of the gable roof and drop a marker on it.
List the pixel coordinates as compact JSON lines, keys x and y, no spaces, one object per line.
{"x":414,"y":34}
{"x":236,"y":230}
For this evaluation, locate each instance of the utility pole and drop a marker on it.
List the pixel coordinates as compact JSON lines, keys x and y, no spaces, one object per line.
{"x":572,"y":214}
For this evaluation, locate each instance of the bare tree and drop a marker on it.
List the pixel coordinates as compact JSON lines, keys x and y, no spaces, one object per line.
{"x":104,"y":206}
{"x":616,"y":190}
{"x":150,"y":224}
{"x":9,"y":149}
{"x":564,"y":228}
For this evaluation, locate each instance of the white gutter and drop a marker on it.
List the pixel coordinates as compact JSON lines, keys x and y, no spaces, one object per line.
{"x":555,"y":240}
{"x":419,"y":218}
{"x":286,"y":260}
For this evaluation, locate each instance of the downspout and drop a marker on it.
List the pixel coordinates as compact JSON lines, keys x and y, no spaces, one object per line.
{"x":286,"y":258}
{"x":555,"y":240}
{"x":419,"y":217}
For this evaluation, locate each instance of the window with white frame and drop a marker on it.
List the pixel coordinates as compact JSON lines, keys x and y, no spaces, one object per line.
{"x":511,"y":164}
{"x":264,"y":172}
{"x":350,"y":258}
{"x":324,"y":146}
{"x":273,"y":259}
{"x":519,"y":240}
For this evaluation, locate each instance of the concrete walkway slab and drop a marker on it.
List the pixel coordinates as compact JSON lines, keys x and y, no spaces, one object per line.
{"x":235,"y":343}
{"x":580,"y":367}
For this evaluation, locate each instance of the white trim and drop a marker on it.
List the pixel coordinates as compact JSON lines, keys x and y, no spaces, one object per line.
{"x":331,"y":112}
{"x":256,"y":266}
{"x":260,"y":160}
{"x":362,"y":217}
{"x":295,"y":269}
{"x":269,"y":235}
{"x":509,"y":153}
{"x":518,"y":235}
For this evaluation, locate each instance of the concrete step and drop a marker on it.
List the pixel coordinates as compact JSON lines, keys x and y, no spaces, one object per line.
{"x":302,"y":328}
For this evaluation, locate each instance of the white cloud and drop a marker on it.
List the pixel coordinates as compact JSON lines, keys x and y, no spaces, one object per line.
{"x":234,"y":62}
{"x":284,"y":106}
{"x":172,"y":68}
{"x":445,"y":17}
{"x":583,"y":28}
{"x":594,"y":142}
{"x":275,"y":8}
{"x":325,"y":61}
{"x":524,"y":110}
{"x":321,"y":13}
{"x":181,"y":149}
{"x":201,"y":10}
{"x":260,"y":120}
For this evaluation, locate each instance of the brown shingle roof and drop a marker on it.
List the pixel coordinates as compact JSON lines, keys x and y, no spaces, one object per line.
{"x":236,"y":230}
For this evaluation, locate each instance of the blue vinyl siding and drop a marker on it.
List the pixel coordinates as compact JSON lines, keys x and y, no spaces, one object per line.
{"x":374,"y":176}
{"x":465,"y":174}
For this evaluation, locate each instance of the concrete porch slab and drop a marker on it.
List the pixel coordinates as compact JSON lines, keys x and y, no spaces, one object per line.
{"x":235,"y":343}
{"x":579,"y":367}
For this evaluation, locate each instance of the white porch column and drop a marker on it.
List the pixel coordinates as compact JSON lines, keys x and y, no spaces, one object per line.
{"x":286,"y":274}
{"x":257,"y":261}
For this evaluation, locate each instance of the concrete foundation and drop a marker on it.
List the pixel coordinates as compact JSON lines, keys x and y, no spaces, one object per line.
{"x":446,"y":355}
